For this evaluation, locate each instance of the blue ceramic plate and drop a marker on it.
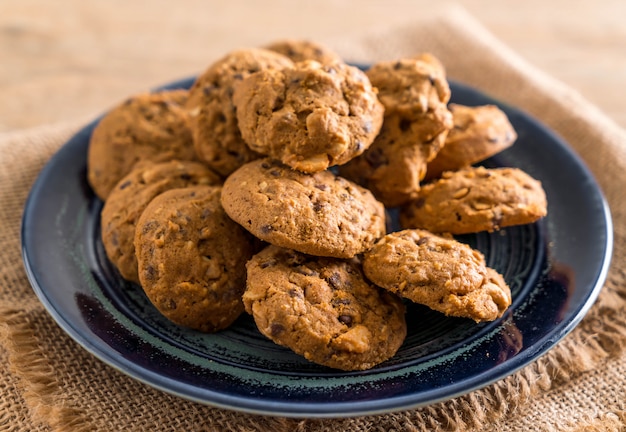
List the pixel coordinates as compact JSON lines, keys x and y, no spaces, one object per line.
{"x":555,"y":268}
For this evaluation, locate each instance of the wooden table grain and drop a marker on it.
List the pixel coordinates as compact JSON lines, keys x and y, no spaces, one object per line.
{"x":67,"y":59}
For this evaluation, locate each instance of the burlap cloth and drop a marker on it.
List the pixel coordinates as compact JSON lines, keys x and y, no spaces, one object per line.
{"x":48,"y":382}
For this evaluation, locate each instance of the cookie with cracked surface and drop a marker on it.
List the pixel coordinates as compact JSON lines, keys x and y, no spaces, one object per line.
{"x":415,"y":93}
{"x":476,"y":199}
{"x":216,"y":135}
{"x":323,"y":309}
{"x":310,"y":116}
{"x":441,"y":273}
{"x":146,"y":127}
{"x":302,"y":49}
{"x":414,"y":88}
{"x":319,"y":214}
{"x":192,"y":258}
{"x":395,"y":164}
{"x":478,"y":133}
{"x":130,"y":197}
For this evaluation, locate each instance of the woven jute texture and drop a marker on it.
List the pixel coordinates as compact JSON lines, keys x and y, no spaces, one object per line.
{"x":49,"y":383}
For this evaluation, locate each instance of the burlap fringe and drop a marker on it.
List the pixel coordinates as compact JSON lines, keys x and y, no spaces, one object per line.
{"x":41,"y":391}
{"x":601,"y":335}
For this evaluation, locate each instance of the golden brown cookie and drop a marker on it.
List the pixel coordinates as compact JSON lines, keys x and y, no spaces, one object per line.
{"x":476,"y":199}
{"x":192,"y":258}
{"x":414,"y":92}
{"x":130,"y":197}
{"x":310,"y":116}
{"x":217,"y":139}
{"x":478,"y":133}
{"x":415,"y":89}
{"x":147,"y":127}
{"x":302,"y":49}
{"x":319,"y":214}
{"x":395,"y":164}
{"x":441,"y":273}
{"x":323,"y":309}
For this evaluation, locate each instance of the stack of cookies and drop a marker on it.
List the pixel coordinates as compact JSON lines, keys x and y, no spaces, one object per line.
{"x":265,"y":188}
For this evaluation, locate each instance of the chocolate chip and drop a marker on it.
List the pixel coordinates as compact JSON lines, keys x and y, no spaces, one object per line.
{"x":266,"y":264}
{"x":149,"y":273}
{"x":321,"y":186}
{"x":172,"y":304}
{"x":125,"y":184}
{"x":266,"y":229}
{"x":421,"y":241}
{"x":345,"y":319}
{"x":405,"y":125}
{"x":276,"y":329}
{"x":318,"y":206}
{"x":334,"y":280}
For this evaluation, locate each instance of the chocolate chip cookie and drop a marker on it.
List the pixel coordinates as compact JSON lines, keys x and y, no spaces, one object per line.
{"x":309,"y":116}
{"x":478,"y":133}
{"x":130,"y":197}
{"x":216,"y":136}
{"x":414,"y":92}
{"x":147,"y":127}
{"x":394,"y":166}
{"x":319,"y":214}
{"x":192,"y":258}
{"x":323,"y":309}
{"x":476,"y":199}
{"x":302,"y":49}
{"x":441,"y":273}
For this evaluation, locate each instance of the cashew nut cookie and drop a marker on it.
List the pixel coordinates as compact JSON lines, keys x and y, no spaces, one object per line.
{"x":147,"y":127}
{"x":319,"y":214}
{"x":213,"y":120}
{"x":130,"y":197}
{"x":301,"y":49}
{"x":415,"y":93}
{"x":323,"y":309}
{"x":310,"y":116}
{"x":476,"y":199}
{"x":441,"y":273}
{"x":478,"y":133}
{"x":192,"y":258}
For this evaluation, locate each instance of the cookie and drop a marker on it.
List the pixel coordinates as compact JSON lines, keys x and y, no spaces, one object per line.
{"x":476,"y":199}
{"x":213,"y":121}
{"x":413,"y":88}
{"x":323,"y":309}
{"x":130,"y":197}
{"x":192,"y":258}
{"x":319,"y":214}
{"x":441,"y":273}
{"x":310,"y":116}
{"x":415,"y":93}
{"x":395,"y":164}
{"x":301,"y":49}
{"x":147,"y":127}
{"x":478,"y":133}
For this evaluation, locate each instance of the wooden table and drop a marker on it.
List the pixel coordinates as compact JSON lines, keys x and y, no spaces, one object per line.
{"x":71,"y":59}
